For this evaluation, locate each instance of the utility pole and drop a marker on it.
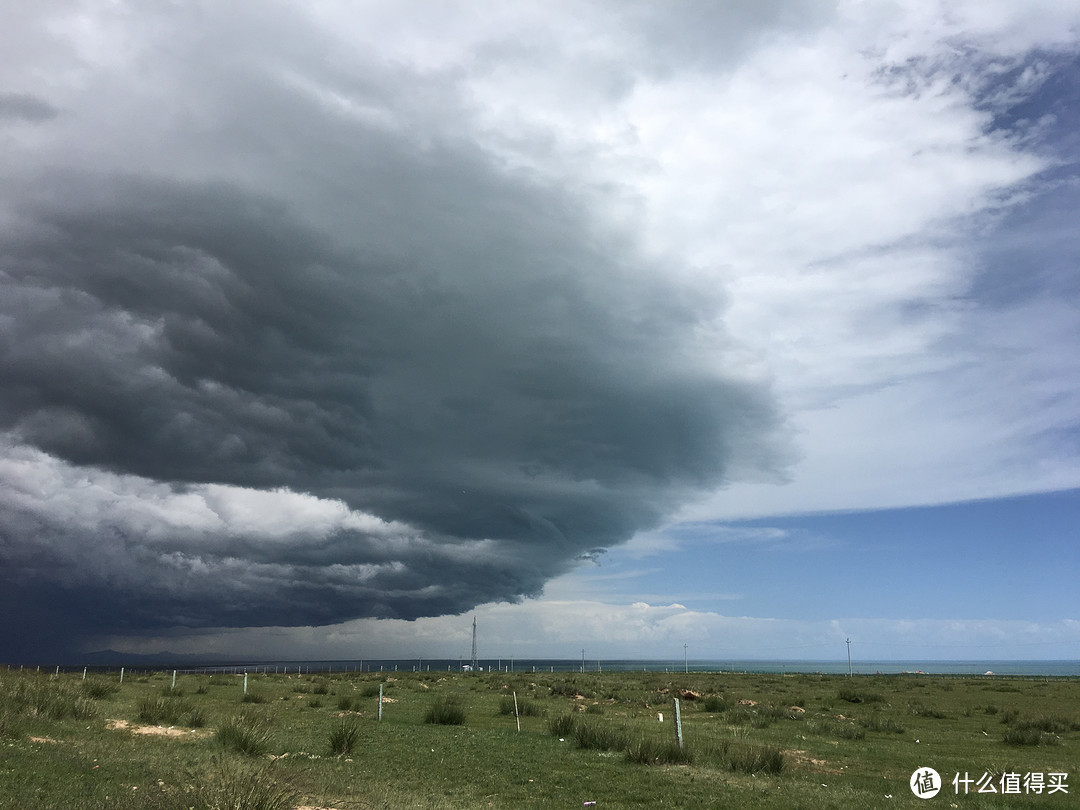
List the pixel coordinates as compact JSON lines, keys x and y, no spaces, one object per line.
{"x":849,"y":657}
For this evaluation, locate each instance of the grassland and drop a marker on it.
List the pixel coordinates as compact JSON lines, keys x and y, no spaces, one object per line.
{"x":451,"y":740}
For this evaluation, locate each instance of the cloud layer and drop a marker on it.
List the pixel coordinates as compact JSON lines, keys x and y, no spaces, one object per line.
{"x":364,"y":370}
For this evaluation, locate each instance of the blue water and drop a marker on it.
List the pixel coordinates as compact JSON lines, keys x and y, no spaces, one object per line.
{"x":1004,"y":668}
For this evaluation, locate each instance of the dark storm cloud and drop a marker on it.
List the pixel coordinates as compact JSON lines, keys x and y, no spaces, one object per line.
{"x":378,"y":318}
{"x":25,"y":107}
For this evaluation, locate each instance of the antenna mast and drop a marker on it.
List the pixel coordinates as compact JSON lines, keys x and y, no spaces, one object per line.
{"x":474,"y":643}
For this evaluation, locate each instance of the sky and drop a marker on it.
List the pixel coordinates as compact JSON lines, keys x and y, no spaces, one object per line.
{"x":746,"y":326}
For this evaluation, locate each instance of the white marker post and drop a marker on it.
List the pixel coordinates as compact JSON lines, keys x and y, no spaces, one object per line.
{"x":517,"y":717}
{"x":678,"y":724}
{"x":173,"y":679}
{"x":245,"y":683}
{"x":380,"y":701}
{"x":84,"y":673}
{"x":121,"y":674}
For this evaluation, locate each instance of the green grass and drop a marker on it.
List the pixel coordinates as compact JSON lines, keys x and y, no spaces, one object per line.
{"x":584,"y":737}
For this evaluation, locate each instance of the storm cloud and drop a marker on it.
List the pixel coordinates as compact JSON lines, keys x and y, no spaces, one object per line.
{"x":282,"y":342}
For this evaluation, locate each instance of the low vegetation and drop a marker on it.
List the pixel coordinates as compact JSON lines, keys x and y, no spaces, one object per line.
{"x":451,"y":740}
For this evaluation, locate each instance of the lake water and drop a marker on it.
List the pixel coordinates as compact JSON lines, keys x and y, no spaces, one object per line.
{"x":1012,"y":668}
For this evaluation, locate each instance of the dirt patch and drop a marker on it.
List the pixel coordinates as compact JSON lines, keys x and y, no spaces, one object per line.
{"x":747,"y":702}
{"x":44,"y":740}
{"x":156,"y":731}
{"x":804,"y":760}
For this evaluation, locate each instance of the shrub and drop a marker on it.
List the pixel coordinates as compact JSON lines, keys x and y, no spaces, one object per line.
{"x":714,"y":704}
{"x":343,"y":736}
{"x":370,"y":691}
{"x":345,"y":704}
{"x":253,"y":697}
{"x":858,"y":696}
{"x":321,"y":688}
{"x":445,"y":712}
{"x":246,"y":733}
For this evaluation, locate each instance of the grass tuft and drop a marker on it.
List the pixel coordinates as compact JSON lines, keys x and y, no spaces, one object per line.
{"x":600,"y":736}
{"x":97,"y":689}
{"x":1030,"y":736}
{"x":445,"y":712}
{"x":649,"y":751}
{"x":246,"y":733}
{"x":160,"y":711}
{"x":562,"y":726}
{"x":343,"y":736}
{"x":232,"y":788}
{"x":756,"y":759}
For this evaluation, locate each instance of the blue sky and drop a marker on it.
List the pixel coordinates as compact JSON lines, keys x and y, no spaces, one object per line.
{"x":754,"y":327}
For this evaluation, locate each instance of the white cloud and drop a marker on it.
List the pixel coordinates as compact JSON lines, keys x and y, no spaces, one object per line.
{"x":562,"y":628}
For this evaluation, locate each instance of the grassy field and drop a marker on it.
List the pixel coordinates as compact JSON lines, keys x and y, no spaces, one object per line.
{"x":451,"y":740}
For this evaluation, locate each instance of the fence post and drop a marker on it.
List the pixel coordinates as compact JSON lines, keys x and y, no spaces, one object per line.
{"x":517,"y":717}
{"x":174,"y":679}
{"x":84,"y":673}
{"x":121,"y":674}
{"x":380,"y":701}
{"x":245,"y":683}
{"x":678,"y":724}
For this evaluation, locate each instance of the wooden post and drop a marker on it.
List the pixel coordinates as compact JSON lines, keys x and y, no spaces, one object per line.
{"x":678,"y":724}
{"x":517,"y":717}
{"x":380,"y":701}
